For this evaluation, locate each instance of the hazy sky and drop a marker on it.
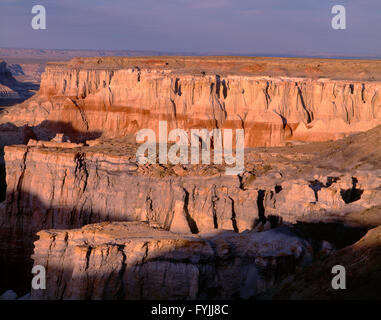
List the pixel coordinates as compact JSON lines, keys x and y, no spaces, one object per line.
{"x":220,"y":26}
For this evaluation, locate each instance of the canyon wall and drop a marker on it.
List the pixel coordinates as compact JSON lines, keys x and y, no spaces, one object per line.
{"x":68,"y":188}
{"x":133,"y":261}
{"x":54,"y":185}
{"x":6,"y":80}
{"x":91,"y":98}
{"x":99,"y":104}
{"x":57,"y":185}
{"x":13,"y":91}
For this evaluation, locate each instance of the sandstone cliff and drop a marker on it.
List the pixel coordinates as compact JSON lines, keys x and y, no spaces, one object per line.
{"x":118,"y":96}
{"x":323,"y":189}
{"x":11,"y":90}
{"x":132,"y":261}
{"x":66,"y":185}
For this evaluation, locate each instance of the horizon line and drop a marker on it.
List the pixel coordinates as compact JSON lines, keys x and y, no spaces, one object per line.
{"x":321,"y":55}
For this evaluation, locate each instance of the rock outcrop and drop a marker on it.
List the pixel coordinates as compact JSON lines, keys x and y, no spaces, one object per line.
{"x":119,"y":96}
{"x":62,"y":184}
{"x":88,"y":173}
{"x":361,"y":261}
{"x":66,"y":185}
{"x":11,"y":90}
{"x":130,"y":260}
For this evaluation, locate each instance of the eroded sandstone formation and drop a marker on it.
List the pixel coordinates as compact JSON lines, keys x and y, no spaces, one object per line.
{"x":327,"y":193}
{"x":130,"y":260}
{"x":114,"y":97}
{"x":67,"y":185}
{"x":11,"y":90}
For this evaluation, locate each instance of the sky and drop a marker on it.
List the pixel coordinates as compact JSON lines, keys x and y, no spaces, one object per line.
{"x":272,"y":27}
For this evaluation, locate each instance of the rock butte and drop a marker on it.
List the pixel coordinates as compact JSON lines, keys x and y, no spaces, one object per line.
{"x":190,"y":222}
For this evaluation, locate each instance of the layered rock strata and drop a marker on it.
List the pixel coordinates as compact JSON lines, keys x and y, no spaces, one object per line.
{"x":318,"y":187}
{"x":118,"y":96}
{"x":11,"y":90}
{"x":130,"y":260}
{"x":67,"y":185}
